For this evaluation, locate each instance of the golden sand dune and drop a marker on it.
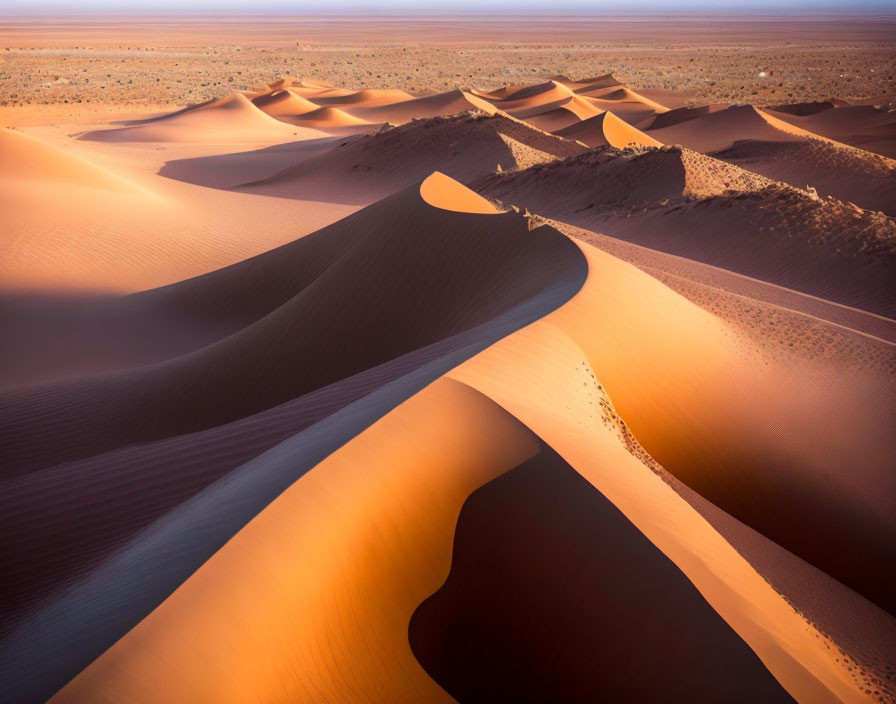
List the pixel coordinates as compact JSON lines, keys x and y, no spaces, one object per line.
{"x":26,"y":159}
{"x":231,"y":119}
{"x":361,"y":433}
{"x":107,"y":233}
{"x":326,"y":117}
{"x":363,"y":98}
{"x":437,"y":105}
{"x":605,"y":129}
{"x":679,"y":115}
{"x":284,"y":102}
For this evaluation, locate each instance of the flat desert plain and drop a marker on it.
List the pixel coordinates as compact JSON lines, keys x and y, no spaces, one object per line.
{"x":435,"y":358}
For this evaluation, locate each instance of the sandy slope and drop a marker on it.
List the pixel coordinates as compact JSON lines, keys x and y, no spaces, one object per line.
{"x":718,"y":130}
{"x":538,"y":541}
{"x":301,"y":297}
{"x":863,"y":126}
{"x":694,"y":206}
{"x":231,"y":119}
{"x":847,"y":174}
{"x":376,"y":518}
{"x":110,"y":233}
{"x":463,"y":146}
{"x":283,"y":103}
{"x":605,"y":129}
{"x":649,"y":374}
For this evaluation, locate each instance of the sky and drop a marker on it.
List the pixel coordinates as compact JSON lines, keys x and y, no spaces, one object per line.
{"x":433,"y":6}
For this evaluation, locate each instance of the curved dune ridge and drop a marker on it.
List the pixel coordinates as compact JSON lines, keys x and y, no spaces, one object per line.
{"x":330,"y":117}
{"x":538,"y":540}
{"x":283,"y":102}
{"x":229,"y":119}
{"x":684,"y":203}
{"x":718,"y":130}
{"x":106,"y":232}
{"x":500,"y":297}
{"x":847,"y":174}
{"x":536,"y":393}
{"x":863,"y":126}
{"x":24,"y":158}
{"x":464,"y":146}
{"x":605,"y":129}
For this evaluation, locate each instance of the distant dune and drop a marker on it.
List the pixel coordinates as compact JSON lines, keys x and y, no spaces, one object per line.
{"x":691,"y":205}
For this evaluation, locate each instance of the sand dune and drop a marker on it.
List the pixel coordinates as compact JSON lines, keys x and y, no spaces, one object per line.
{"x":682,"y":399}
{"x":106,"y":233}
{"x":802,"y":109}
{"x":364,"y":98}
{"x":438,"y":105}
{"x":554,"y":116}
{"x":687,"y":204}
{"x":26,"y":159}
{"x":607,"y":129}
{"x":720,"y":129}
{"x":283,"y":102}
{"x":482,"y":272}
{"x":863,"y":126}
{"x":464,"y":147}
{"x":327,"y":117}
{"x":384,"y":535}
{"x":359,"y":432}
{"x":847,"y":174}
{"x":230,"y":119}
{"x":679,"y":115}
{"x":539,"y":540}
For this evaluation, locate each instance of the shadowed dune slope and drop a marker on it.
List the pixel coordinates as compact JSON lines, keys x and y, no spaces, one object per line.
{"x":863,"y":126}
{"x":447,"y":272}
{"x":555,"y":596}
{"x":679,"y":115}
{"x":463,"y":146}
{"x":794,"y":448}
{"x":611,"y":177}
{"x":624,"y":103}
{"x":607,"y":129}
{"x":691,"y":205}
{"x":852,"y":175}
{"x":719,"y":130}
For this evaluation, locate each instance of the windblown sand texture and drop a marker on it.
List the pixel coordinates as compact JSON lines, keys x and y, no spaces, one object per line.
{"x":546,"y":391}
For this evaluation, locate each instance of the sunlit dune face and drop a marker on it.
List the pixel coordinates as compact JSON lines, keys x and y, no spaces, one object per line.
{"x":321,"y":586}
{"x":447,"y":194}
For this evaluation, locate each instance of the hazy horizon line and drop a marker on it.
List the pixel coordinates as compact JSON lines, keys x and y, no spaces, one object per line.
{"x":400,"y":8}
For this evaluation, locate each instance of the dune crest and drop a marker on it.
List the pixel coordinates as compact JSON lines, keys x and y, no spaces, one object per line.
{"x":605,"y":129}
{"x":447,"y":194}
